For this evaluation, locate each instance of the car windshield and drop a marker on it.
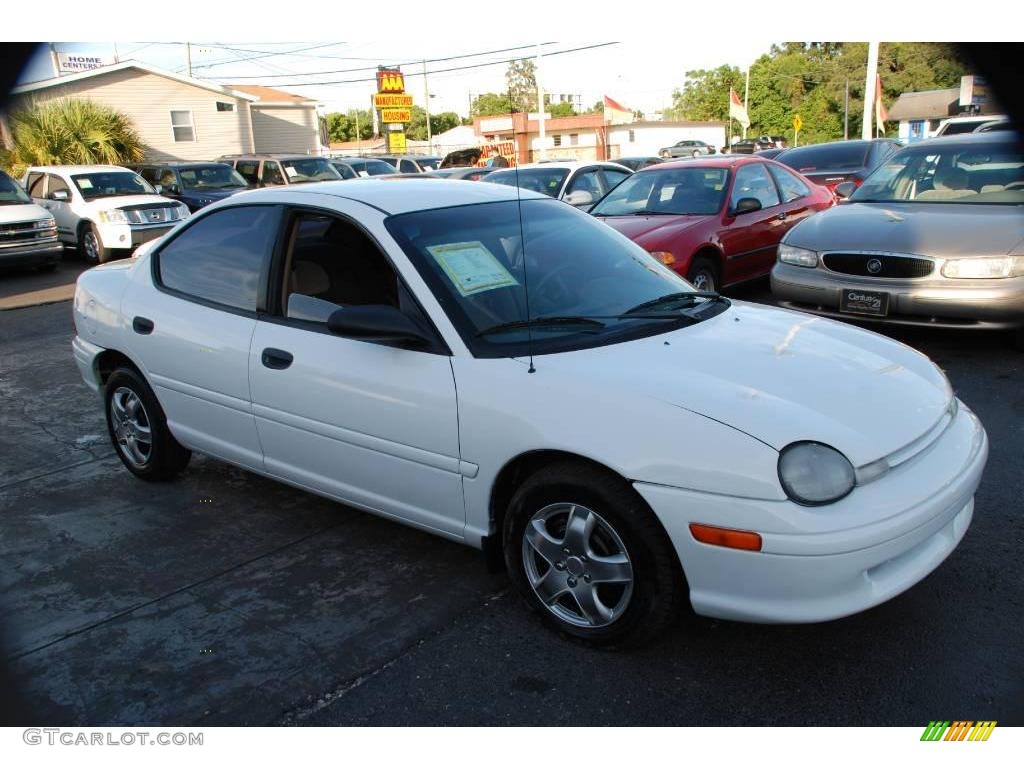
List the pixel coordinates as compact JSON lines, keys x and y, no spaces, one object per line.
{"x":583,"y":277}
{"x":693,"y":191}
{"x":111,"y":184}
{"x":11,"y":192}
{"x":307,"y":169}
{"x":201,"y":177}
{"x":546,"y":180}
{"x":371,"y":167}
{"x":827,"y":157}
{"x":981,"y":173}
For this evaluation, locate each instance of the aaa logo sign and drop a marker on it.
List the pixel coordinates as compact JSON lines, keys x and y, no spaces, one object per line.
{"x":390,"y":81}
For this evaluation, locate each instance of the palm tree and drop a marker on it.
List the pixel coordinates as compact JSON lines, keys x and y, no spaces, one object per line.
{"x":71,"y":131}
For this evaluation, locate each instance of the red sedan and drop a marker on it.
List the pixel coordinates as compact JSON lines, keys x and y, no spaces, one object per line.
{"x":715,"y":221}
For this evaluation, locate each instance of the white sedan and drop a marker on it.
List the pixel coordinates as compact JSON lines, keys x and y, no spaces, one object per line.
{"x":503,"y":370}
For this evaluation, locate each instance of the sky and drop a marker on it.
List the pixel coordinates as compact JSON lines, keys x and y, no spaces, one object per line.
{"x":635,"y":73}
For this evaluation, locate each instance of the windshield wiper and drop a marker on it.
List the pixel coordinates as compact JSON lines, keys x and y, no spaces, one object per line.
{"x":685,"y":298}
{"x":656,"y":213}
{"x":586,"y":324}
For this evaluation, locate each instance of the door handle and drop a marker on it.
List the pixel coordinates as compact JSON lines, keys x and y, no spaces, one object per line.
{"x":142,"y":325}
{"x":277,"y":359}
{"x":781,"y":216}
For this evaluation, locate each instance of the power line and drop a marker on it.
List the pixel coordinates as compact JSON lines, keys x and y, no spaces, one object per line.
{"x":448,"y":69}
{"x":378,"y":59}
{"x":259,"y":54}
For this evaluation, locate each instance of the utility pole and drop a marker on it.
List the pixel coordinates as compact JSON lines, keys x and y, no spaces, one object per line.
{"x":117,"y":59}
{"x":358,"y":137}
{"x":188,"y":59}
{"x":846,"y":111}
{"x":426,"y":100}
{"x":54,"y":60}
{"x":540,"y":108}
{"x":869,"y":92}
{"x":746,"y":100}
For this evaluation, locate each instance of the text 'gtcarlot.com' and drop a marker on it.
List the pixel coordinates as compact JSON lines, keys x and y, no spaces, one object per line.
{"x":54,"y":736}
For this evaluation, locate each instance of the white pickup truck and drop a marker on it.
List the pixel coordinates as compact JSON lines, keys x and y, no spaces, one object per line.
{"x":105,"y":211}
{"x":28,"y":234}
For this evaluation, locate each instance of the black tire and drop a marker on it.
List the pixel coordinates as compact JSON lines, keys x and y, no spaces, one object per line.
{"x":664,"y":154}
{"x":696,"y":153}
{"x":90,"y":246}
{"x":703,"y":274}
{"x":166,"y":457}
{"x":1018,"y":339}
{"x":658,"y":587}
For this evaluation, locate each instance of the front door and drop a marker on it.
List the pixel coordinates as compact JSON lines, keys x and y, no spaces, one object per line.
{"x":61,"y":208}
{"x":192,"y":326}
{"x":750,"y":239}
{"x":371,"y":424}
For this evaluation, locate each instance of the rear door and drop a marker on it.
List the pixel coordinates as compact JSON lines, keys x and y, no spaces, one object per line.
{"x":192,"y":324}
{"x":750,"y":239}
{"x":368,"y":423}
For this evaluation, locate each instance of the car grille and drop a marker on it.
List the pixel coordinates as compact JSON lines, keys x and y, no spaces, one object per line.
{"x":878,"y":265}
{"x":151,"y":214}
{"x":23,"y":233}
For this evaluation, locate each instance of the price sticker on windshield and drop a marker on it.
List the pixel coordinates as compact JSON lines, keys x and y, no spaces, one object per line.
{"x":471,"y":267}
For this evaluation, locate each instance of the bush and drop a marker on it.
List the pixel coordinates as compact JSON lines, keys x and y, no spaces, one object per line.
{"x":71,"y":132}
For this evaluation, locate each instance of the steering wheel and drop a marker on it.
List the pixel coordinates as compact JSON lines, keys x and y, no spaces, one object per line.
{"x":554,"y":287}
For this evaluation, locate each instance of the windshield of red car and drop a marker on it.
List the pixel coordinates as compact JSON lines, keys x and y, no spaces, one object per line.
{"x":692,"y":191}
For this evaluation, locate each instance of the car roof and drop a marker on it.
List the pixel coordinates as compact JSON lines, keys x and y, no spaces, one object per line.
{"x":267,"y":156}
{"x":76,"y":168}
{"x":400,"y":194}
{"x":180,"y":163}
{"x":569,"y":165}
{"x":709,"y":161}
{"x":995,"y":137}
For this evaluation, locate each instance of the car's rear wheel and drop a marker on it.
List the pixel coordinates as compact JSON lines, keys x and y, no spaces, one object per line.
{"x":696,"y":153}
{"x":663,"y":153}
{"x":138,"y":428}
{"x":588,"y":555}
{"x":703,"y":274}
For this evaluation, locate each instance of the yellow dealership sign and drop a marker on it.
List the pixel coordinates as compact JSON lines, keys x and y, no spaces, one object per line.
{"x":396,"y":142}
{"x":392,"y":101}
{"x":396,"y":115}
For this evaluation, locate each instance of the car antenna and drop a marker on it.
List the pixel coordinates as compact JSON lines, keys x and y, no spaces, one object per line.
{"x":522,"y":233}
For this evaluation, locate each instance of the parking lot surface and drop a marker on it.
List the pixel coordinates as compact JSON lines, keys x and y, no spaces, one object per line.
{"x":224,"y":598}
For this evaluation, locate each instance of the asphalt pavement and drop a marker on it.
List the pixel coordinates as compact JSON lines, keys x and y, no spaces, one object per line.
{"x":224,"y":598}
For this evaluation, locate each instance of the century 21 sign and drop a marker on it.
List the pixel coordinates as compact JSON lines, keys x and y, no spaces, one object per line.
{"x":390,"y":81}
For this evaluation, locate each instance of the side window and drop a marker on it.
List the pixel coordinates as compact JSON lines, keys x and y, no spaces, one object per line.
{"x":272,"y":173}
{"x":249,"y":170}
{"x":585,"y":181}
{"x":34,"y":185}
{"x":612,"y":178}
{"x":56,"y":184}
{"x":406,"y":166}
{"x":753,"y":181}
{"x":331,"y":263}
{"x":221,"y":256}
{"x":792,"y":188}
{"x":149,"y":174}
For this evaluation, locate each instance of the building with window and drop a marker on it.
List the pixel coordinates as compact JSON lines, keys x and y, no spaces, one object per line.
{"x":920,"y":112}
{"x":185,"y":118}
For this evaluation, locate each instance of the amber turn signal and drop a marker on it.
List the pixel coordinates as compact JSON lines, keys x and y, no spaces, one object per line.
{"x":726,"y":537}
{"x":664,"y":257}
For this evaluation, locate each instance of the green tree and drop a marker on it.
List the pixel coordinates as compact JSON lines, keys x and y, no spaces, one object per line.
{"x":705,"y":96}
{"x":562,"y":109}
{"x":491,"y":104}
{"x":341,"y":126}
{"x":73,"y":132}
{"x":521,"y":80}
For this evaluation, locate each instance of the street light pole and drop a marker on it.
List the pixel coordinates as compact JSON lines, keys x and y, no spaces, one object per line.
{"x":869,"y":92}
{"x":846,"y":111}
{"x":426,"y":101}
{"x":540,"y":117}
{"x":746,"y":100}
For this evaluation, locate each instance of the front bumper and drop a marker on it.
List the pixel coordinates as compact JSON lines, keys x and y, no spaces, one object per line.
{"x":930,"y":302}
{"x":824,"y":563}
{"x":130,"y":235}
{"x":32,"y":254}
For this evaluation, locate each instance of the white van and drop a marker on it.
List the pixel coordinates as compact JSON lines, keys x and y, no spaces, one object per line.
{"x":28,"y":234}
{"x":967,"y":124}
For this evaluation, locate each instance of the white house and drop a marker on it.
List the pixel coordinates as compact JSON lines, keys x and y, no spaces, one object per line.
{"x":646,"y":137}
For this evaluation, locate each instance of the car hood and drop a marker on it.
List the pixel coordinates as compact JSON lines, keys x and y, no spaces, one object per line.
{"x":779,"y":376}
{"x":643,"y":228}
{"x":126,"y":201}
{"x":940,"y":230}
{"x":209,"y":196}
{"x":22,"y":212}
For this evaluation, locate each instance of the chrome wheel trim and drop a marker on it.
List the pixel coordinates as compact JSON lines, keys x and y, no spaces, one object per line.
{"x":131,"y":427}
{"x":577,"y":565}
{"x":703,"y":281}
{"x":91,"y":245}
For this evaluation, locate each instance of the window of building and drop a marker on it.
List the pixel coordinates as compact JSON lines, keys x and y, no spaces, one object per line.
{"x":558,"y":140}
{"x":632,"y":136}
{"x":181,"y":125}
{"x":225,"y":106}
{"x":221,"y":256}
{"x":574,"y":139}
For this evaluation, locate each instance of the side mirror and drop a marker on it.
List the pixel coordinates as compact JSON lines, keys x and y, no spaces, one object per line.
{"x":60,"y":195}
{"x":844,"y":190}
{"x":747,"y":205}
{"x":579,"y":198}
{"x":158,"y":188}
{"x":374,"y":322}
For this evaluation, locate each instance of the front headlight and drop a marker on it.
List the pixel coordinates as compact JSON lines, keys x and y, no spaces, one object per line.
{"x":47,"y":223}
{"x":813,"y":473}
{"x":115,"y":216}
{"x":798,"y":257}
{"x":1006,"y":266}
{"x":182,"y":211}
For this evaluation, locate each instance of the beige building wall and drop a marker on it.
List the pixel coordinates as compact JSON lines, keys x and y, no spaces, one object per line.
{"x":286,"y":129}
{"x":149,"y":100}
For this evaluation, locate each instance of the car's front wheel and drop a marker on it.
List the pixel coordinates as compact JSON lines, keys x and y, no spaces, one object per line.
{"x":703,"y":275}
{"x":91,"y":247}
{"x":588,"y":555}
{"x":138,"y":428}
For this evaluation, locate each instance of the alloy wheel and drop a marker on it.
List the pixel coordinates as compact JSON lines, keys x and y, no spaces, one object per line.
{"x":131,"y":427}
{"x":92,"y":247}
{"x":577,"y":565}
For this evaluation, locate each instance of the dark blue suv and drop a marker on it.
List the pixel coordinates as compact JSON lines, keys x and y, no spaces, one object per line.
{"x":194,"y":184}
